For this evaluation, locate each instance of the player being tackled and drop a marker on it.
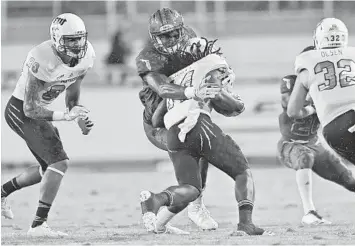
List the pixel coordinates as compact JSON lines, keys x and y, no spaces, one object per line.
{"x":155,"y":63}
{"x":52,"y":67}
{"x":192,"y":135}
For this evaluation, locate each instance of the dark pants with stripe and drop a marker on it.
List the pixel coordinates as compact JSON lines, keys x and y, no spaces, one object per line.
{"x":340,"y":137}
{"x":42,"y":138}
{"x":206,"y":140}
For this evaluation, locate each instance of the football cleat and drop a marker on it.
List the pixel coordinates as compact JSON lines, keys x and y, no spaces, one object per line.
{"x":44,"y":231}
{"x":168,"y":229}
{"x":6,"y":209}
{"x":313,"y":218}
{"x":150,"y":207}
{"x":198,"y":213}
{"x":251,"y":230}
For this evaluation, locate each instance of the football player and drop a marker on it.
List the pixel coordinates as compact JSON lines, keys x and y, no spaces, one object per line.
{"x":192,"y":135}
{"x":155,"y":63}
{"x":300,"y":149}
{"x":328,"y":75}
{"x":52,"y":67}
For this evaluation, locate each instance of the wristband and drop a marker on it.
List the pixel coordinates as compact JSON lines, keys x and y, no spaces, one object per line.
{"x":59,"y":116}
{"x":189,"y":92}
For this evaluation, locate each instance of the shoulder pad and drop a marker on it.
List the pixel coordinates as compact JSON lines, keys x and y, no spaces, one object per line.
{"x":302,"y":61}
{"x":41,"y":62}
{"x":149,"y":60}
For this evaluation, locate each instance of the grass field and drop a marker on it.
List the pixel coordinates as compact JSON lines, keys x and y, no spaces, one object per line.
{"x":103,"y":208}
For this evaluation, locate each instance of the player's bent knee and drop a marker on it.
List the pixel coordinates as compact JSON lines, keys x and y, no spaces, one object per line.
{"x":304,"y":161}
{"x":59,"y":167}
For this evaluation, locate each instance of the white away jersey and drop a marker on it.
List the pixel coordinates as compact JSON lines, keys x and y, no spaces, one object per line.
{"x":45,"y":65}
{"x":331,"y":80}
{"x":192,"y":75}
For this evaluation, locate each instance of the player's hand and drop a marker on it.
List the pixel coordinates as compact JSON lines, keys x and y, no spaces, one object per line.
{"x":85,"y":125}
{"x":207,"y":91}
{"x":228,"y":80}
{"x":75,"y":112}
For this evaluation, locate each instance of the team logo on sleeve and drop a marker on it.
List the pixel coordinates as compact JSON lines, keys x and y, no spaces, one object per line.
{"x":147,"y":64}
{"x":288,"y":83}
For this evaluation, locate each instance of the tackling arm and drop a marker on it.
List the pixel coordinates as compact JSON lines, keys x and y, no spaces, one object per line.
{"x":161,"y":85}
{"x":73,"y":93}
{"x":295,"y":108}
{"x":31,"y":106}
{"x":158,"y":116}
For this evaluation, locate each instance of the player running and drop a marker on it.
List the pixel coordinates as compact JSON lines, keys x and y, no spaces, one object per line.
{"x":54,"y":66}
{"x":300,"y":149}
{"x":155,"y":63}
{"x":328,"y":75}
{"x":192,"y":135}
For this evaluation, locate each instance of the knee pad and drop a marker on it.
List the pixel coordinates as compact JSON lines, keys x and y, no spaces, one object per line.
{"x":347,"y":180}
{"x":59,"y":167}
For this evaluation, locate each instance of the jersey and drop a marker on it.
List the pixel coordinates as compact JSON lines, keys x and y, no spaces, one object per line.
{"x":331,"y":82}
{"x":150,"y":60}
{"x":296,"y":129}
{"x":43,"y":63}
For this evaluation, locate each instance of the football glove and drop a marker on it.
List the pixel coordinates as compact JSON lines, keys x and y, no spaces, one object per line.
{"x":75,"y":112}
{"x":207,"y":91}
{"x":85,"y":124}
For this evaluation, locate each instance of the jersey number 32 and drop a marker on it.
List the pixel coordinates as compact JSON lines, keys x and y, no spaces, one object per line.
{"x":346,"y":77}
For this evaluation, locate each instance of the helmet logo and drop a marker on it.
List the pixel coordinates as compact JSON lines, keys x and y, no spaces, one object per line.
{"x":334,"y":27}
{"x":166,"y":27}
{"x":59,"y":21}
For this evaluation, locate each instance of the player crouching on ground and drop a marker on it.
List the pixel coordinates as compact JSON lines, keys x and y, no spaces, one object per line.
{"x":52,"y":67}
{"x":192,"y":135}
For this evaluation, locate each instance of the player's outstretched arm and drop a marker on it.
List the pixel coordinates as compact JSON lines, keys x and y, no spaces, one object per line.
{"x":158,"y":116}
{"x":73,"y":93}
{"x":31,"y":106}
{"x":161,"y":85}
{"x":297,"y":99}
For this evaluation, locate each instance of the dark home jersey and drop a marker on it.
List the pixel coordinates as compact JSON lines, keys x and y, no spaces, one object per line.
{"x":150,"y":60}
{"x":296,"y":129}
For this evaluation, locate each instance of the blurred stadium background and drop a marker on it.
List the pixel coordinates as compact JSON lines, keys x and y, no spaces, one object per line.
{"x":259,"y":38}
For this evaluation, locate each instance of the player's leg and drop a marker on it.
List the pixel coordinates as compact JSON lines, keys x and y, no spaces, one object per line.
{"x":16,"y":120}
{"x":340,"y":135}
{"x":176,"y":198}
{"x":157,"y":136}
{"x":300,"y":158}
{"x":222,"y":152}
{"x":197,"y":210}
{"x":331,"y":167}
{"x":43,"y":139}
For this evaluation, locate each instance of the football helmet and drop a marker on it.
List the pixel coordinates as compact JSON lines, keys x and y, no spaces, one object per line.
{"x":166,"y":30}
{"x":69,"y":35}
{"x":330,"y":33}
